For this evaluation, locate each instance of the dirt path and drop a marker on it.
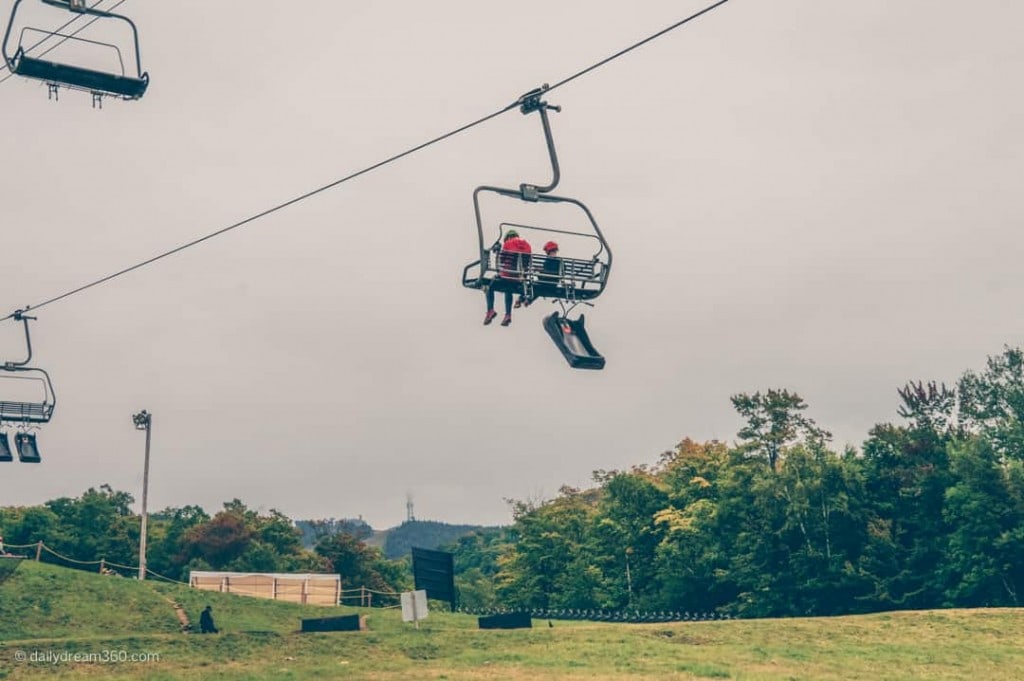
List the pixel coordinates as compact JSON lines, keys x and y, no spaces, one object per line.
{"x":186,"y":626}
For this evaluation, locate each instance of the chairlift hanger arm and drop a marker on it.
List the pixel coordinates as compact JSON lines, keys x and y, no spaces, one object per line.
{"x":7,"y":35}
{"x":20,"y":316}
{"x":528,"y":103}
{"x":78,"y":6}
{"x":20,"y":411}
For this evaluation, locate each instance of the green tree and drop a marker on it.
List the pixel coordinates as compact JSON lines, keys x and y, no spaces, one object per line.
{"x":992,"y":402}
{"x":906,"y":475}
{"x":626,"y":538}
{"x":360,"y":565}
{"x":824,"y":530}
{"x":476,"y":590}
{"x":166,"y":552}
{"x":243,"y":540}
{"x":774,"y":420}
{"x":97,"y":525}
{"x":984,"y":562}
{"x":552,"y":564}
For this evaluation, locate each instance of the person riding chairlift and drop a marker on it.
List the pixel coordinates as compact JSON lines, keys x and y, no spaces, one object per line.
{"x":551,"y":272}
{"x":513,"y":263}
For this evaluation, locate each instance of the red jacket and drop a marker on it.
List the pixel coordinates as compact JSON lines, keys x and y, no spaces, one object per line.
{"x":514,"y":258}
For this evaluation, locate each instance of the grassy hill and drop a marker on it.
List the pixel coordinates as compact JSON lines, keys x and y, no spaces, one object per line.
{"x":51,"y":611}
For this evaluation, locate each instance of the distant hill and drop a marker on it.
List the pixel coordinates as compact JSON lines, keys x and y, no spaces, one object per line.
{"x":313,"y":530}
{"x":426,"y":534}
{"x":395,"y":542}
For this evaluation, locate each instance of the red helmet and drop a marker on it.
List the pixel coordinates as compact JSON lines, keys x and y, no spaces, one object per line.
{"x":550,"y":246}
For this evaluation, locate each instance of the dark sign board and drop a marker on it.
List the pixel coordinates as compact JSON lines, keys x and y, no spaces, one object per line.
{"x":434,"y":572}
{"x":344,"y":623}
{"x":511,"y":620}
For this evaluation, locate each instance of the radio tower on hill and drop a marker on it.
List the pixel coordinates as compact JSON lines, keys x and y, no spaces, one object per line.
{"x":409,"y":515}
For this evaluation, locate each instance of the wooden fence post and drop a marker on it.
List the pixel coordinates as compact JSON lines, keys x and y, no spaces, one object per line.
{"x":39,"y":549}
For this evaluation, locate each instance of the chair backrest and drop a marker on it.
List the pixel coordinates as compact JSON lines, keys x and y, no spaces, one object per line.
{"x":513,"y":264}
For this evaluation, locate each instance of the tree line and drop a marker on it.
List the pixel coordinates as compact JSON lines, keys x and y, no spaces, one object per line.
{"x":99,"y":525}
{"x":928,"y":513}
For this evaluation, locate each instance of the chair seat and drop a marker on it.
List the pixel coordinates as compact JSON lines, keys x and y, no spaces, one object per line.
{"x":79,"y":77}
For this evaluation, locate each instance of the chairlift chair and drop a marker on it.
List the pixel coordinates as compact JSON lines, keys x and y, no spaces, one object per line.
{"x":23,"y":411}
{"x":583,"y":276}
{"x":54,"y":73}
{"x":569,"y":279}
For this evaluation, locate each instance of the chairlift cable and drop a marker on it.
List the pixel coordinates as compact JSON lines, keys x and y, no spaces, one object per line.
{"x":63,"y":39}
{"x":634,"y":46}
{"x":358,"y":173}
{"x":266,"y":212}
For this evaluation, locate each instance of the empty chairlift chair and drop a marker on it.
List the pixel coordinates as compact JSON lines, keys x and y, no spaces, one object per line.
{"x":26,"y":397}
{"x":28,"y":451}
{"x":100,"y":83}
{"x":572,"y":339}
{"x":5,"y":448}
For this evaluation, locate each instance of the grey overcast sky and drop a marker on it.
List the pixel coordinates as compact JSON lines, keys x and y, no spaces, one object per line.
{"x":804,"y":194}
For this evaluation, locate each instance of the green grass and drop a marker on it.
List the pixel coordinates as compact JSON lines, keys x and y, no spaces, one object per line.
{"x":53,"y":611}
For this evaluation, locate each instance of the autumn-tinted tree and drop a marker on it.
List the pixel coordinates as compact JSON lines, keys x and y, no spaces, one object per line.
{"x":218,"y":541}
{"x":692,"y":554}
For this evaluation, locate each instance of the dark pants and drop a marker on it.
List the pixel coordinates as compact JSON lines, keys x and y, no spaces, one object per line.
{"x":489,"y":294}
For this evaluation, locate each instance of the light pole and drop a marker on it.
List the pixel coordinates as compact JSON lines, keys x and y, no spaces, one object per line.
{"x":144,"y":421}
{"x":629,"y":579}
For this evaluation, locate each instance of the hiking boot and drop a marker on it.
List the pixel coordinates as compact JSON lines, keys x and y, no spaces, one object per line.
{"x":489,"y":317}
{"x":507,"y":320}
{"x":519,"y":302}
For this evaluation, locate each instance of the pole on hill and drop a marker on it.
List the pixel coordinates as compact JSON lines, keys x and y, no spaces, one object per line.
{"x":144,"y":421}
